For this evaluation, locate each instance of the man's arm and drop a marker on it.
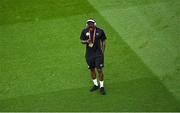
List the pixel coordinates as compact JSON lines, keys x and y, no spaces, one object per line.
{"x":83,"y":41}
{"x":83,"y":38}
{"x":103,"y":45}
{"x":86,"y":41}
{"x":103,"y":41}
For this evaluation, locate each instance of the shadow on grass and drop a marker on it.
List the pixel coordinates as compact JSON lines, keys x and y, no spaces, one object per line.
{"x":35,"y":10}
{"x":144,"y":94}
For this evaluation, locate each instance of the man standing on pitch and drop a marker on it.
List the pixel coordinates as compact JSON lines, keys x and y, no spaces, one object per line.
{"x":94,"y":38}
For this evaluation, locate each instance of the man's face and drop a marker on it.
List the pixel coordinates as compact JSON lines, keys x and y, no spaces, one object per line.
{"x":91,"y":26}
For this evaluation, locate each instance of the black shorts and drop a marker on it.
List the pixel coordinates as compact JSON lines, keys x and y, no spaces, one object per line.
{"x":95,"y":62}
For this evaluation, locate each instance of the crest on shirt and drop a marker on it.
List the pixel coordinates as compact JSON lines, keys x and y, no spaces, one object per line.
{"x":87,"y":34}
{"x":97,"y":33}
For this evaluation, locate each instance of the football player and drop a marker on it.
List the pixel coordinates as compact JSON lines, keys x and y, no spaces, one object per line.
{"x":94,"y":39}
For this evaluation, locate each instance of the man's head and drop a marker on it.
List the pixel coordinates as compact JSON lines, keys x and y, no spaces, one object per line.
{"x":91,"y":24}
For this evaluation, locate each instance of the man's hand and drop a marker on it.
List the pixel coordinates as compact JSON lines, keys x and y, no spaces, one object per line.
{"x":89,"y":41}
{"x":86,"y":41}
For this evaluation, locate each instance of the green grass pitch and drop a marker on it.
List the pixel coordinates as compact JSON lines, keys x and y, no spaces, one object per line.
{"x":42,"y":63}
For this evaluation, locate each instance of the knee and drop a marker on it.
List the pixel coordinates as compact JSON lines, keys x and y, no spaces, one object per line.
{"x":92,"y":70}
{"x":99,"y":71}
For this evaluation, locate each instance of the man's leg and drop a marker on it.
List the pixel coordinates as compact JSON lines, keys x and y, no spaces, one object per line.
{"x":94,"y":79}
{"x":101,"y":81}
{"x":91,"y":64}
{"x":101,"y":77}
{"x":99,"y":62}
{"x":93,"y":76}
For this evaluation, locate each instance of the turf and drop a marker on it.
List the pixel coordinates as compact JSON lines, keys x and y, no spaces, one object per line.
{"x":153,"y":33}
{"x":42,"y":65}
